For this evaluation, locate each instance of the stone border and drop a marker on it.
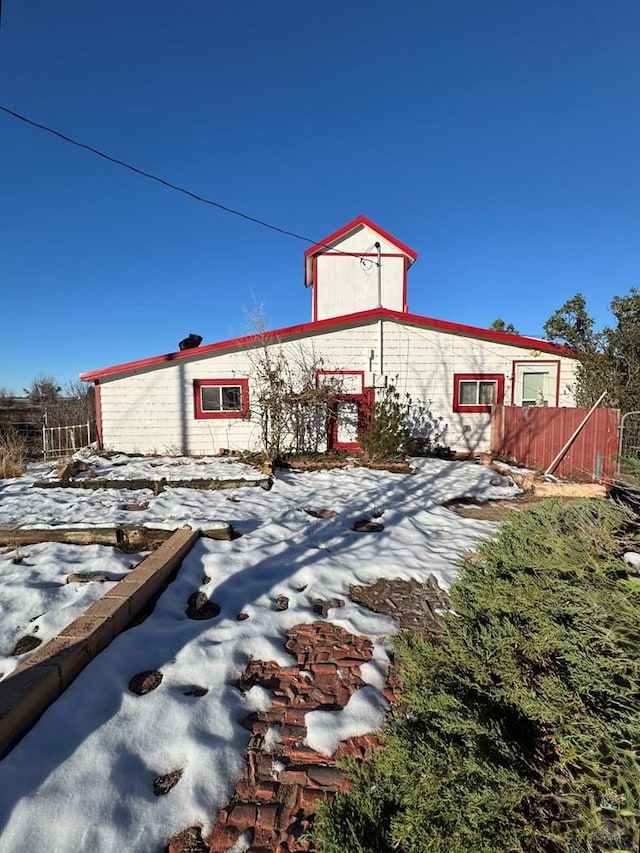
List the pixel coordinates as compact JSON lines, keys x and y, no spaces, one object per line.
{"x":34,"y":685}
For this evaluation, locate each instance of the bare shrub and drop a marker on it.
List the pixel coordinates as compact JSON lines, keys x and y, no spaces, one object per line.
{"x":13,"y":454}
{"x":290,"y":403}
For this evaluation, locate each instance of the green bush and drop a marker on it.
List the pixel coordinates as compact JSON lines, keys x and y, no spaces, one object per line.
{"x":387,"y":431}
{"x":522,"y":726}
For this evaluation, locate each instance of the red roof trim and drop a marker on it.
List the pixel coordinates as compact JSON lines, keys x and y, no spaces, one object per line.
{"x":323,"y":245}
{"x":330,"y":324}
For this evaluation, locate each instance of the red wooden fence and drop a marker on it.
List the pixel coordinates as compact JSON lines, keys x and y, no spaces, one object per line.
{"x":532,"y":437}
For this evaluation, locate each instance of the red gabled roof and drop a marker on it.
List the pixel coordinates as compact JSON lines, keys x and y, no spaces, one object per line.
{"x":328,"y":325}
{"x":358,"y":222}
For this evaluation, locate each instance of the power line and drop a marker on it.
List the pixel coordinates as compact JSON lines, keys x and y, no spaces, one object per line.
{"x":169,"y":184}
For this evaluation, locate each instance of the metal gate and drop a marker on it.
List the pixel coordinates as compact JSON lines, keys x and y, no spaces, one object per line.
{"x":629,"y":449}
{"x":65,"y":440}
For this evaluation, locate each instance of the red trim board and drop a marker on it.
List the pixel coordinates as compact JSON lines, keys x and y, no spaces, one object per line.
{"x":498,"y":378}
{"x":200,"y":413}
{"x":327,"y":325}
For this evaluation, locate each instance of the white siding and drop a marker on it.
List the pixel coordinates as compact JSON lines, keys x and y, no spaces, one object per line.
{"x":152,"y":410}
{"x":425,"y":361}
{"x":345,"y":285}
{"x":363,"y":240}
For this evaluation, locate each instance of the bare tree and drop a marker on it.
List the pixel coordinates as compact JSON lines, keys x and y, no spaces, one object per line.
{"x":292,"y":405}
{"x":43,"y":389}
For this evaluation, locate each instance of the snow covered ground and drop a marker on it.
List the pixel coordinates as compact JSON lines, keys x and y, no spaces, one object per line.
{"x":82,"y":779}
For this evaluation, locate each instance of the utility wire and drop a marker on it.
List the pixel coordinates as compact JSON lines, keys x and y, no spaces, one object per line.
{"x":172,"y":186}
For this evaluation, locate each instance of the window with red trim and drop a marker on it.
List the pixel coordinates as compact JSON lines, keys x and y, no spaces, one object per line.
{"x":477,"y":392}
{"x":221,"y":398}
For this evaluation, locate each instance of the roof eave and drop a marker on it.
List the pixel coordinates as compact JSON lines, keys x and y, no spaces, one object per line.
{"x":345,"y":321}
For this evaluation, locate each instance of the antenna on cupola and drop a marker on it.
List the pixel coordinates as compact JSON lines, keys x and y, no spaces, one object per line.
{"x":379,"y":250}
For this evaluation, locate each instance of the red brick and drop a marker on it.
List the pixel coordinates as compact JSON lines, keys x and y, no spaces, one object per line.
{"x":305,"y":755}
{"x":272,"y":718}
{"x":268,"y":815}
{"x":222,"y":837}
{"x":249,"y":722}
{"x":323,"y":655}
{"x":293,"y":718}
{"x":326,"y":777}
{"x":309,"y":799}
{"x":350,"y":662}
{"x":292,"y":776}
{"x":263,"y":765}
{"x":244,"y":790}
{"x":324,"y":669}
{"x":293,"y":733}
{"x":265,"y":790}
{"x":242,"y":815}
{"x":288,"y":796}
{"x":185,"y":840}
{"x":288,"y":672}
{"x":304,"y":628}
{"x":303,"y":702}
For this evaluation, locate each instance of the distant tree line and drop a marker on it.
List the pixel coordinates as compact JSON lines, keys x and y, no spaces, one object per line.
{"x":64,"y":404}
{"x":609,"y":357}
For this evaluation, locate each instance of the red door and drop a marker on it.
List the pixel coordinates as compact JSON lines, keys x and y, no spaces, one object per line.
{"x":350,"y":414}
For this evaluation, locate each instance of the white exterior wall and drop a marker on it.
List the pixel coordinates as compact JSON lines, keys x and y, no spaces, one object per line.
{"x":152,"y":410}
{"x":425,"y":361}
{"x":344,"y":285}
{"x":362,"y":241}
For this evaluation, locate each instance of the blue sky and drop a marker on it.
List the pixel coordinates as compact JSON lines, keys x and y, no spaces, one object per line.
{"x":498,"y":138}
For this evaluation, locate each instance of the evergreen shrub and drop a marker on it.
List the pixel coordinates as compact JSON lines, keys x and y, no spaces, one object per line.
{"x":521,"y":728}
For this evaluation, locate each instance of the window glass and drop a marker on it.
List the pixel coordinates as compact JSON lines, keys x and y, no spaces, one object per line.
{"x":468,"y":395}
{"x":230,"y":398}
{"x":221,"y":398}
{"x":487,"y":393}
{"x":210,"y":398}
{"x":474,"y":393}
{"x":534,"y":387}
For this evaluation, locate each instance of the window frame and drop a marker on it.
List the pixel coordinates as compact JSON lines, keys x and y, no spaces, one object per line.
{"x":458,"y":378}
{"x":551,"y":366}
{"x":200,"y":413}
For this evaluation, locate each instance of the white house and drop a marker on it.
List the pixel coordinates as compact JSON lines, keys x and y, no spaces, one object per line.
{"x":361,"y":337}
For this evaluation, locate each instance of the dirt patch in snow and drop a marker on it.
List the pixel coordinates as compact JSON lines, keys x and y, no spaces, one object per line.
{"x":415,"y":605}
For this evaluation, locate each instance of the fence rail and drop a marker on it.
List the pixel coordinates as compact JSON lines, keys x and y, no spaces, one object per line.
{"x":63,"y":440}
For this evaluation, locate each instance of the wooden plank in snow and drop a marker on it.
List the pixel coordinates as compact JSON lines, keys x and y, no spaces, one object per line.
{"x":156,"y":486}
{"x":126,"y":537}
